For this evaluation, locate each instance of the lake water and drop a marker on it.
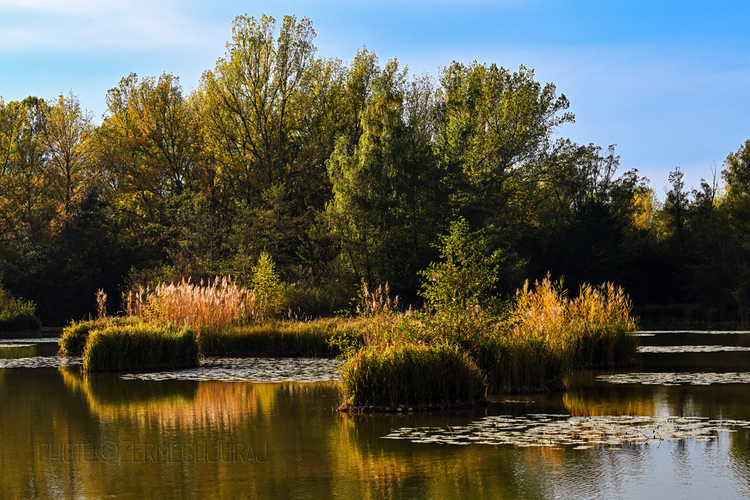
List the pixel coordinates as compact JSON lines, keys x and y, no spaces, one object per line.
{"x":677,"y":428}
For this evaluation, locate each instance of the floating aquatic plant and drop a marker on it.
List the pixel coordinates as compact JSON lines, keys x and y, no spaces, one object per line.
{"x":41,"y":362}
{"x":266,"y":370}
{"x":577,"y":432}
{"x":676,"y":349}
{"x":668,"y":379}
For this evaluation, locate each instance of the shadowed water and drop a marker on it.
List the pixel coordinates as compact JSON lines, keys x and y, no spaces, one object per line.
{"x":225,"y":431}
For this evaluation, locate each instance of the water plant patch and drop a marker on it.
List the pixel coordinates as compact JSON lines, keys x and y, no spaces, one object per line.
{"x":668,"y":379}
{"x":542,"y":430}
{"x":268,"y":370}
{"x":679,"y":349}
{"x":42,"y":362}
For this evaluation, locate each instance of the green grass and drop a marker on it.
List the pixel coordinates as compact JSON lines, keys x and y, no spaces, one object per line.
{"x":520,"y":365}
{"x":140,"y":346}
{"x":412,"y":375}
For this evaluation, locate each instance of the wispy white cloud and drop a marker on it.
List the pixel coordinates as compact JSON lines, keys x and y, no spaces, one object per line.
{"x":29,"y":25}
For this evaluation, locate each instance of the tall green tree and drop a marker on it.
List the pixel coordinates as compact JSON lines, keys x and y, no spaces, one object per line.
{"x":494,"y":136}
{"x":387,"y":199}
{"x":26,"y":207}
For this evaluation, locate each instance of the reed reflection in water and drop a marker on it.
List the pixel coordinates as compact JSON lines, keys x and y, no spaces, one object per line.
{"x":65,"y":434}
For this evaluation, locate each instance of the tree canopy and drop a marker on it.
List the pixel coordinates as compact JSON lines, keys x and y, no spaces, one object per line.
{"x":341,"y":173}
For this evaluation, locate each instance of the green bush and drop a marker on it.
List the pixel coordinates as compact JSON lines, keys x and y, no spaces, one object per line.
{"x":17,"y":315}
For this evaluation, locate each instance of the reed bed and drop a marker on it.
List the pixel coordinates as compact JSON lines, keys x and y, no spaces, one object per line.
{"x":140,"y":346}
{"x":323,"y":337}
{"x":531,"y":346}
{"x":546,"y":335}
{"x":218,"y":303}
{"x":593,"y":330}
{"x":411,"y":375}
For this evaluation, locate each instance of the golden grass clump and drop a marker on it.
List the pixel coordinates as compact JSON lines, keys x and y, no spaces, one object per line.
{"x":218,"y":303}
{"x":530,"y":347}
{"x":593,"y":330}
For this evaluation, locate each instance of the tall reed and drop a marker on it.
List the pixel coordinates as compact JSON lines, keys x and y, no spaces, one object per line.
{"x":593,"y":330}
{"x":218,"y":303}
{"x":546,"y":335}
{"x":531,"y":346}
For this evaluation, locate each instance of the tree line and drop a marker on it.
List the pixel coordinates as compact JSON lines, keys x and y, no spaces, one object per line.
{"x":343,"y":173}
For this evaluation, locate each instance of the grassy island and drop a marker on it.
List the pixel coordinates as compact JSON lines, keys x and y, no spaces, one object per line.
{"x":528,"y":343}
{"x":529,"y":347}
{"x":464,"y":343}
{"x":140,"y":347}
{"x":222,"y":318}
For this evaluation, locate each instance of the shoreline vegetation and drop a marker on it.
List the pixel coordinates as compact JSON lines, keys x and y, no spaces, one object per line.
{"x":140,"y":346}
{"x":17,"y":315}
{"x":347,"y":169}
{"x":394,"y":359}
{"x":463,"y":344}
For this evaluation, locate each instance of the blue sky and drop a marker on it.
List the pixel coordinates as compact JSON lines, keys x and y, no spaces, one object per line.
{"x":666,"y":81}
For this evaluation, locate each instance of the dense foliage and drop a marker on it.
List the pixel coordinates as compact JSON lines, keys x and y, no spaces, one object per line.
{"x":333,"y":174}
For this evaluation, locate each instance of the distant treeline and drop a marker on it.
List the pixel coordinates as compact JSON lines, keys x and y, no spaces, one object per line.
{"x":343,"y":173}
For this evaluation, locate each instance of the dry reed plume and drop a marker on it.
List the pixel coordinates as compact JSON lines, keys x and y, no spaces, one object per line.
{"x":218,"y":303}
{"x":546,"y":312}
{"x":594,"y":329}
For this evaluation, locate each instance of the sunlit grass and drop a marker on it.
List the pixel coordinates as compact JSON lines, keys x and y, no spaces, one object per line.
{"x":74,"y":337}
{"x":218,"y":303}
{"x":593,"y":330}
{"x":530,"y":346}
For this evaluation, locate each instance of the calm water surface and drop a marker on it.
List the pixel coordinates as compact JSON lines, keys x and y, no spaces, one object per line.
{"x":212,"y":433}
